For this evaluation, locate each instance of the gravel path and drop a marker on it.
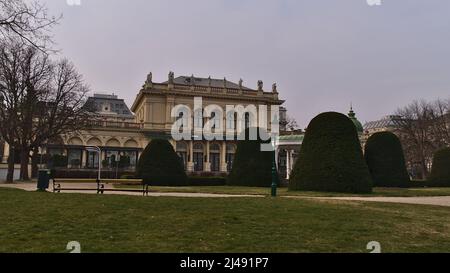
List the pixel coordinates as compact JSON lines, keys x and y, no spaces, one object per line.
{"x":32,"y":187}
{"x":437,"y":201}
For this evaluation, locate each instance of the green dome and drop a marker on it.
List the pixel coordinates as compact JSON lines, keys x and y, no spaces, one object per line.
{"x":358,"y":125}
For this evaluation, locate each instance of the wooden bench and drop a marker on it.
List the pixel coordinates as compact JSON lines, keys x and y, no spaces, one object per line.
{"x":99,"y":185}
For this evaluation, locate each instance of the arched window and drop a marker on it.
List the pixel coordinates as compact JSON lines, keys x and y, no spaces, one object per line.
{"x":198,"y":118}
{"x":214,"y":157}
{"x":231,"y":120}
{"x":181,"y":148}
{"x":247,"y":120}
{"x":231,"y":150}
{"x":198,"y":157}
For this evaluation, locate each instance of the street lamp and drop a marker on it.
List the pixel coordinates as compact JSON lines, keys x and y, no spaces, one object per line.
{"x":99,"y":151}
{"x":274,"y":169}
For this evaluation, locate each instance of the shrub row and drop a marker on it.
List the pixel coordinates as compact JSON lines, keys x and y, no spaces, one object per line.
{"x":207,"y":181}
{"x":67,"y":173}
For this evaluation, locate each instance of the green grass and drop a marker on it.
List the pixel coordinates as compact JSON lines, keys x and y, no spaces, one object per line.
{"x":390,"y":192}
{"x":46,"y":222}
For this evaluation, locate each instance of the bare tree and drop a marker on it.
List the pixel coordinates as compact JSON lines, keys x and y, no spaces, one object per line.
{"x":63,"y":108}
{"x":11,"y":91}
{"x":27,"y":20}
{"x":40,"y":99}
{"x":291,"y":124}
{"x":424,"y":128}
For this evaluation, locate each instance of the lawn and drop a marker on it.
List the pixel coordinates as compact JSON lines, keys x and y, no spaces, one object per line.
{"x":390,"y":192}
{"x":46,"y":222}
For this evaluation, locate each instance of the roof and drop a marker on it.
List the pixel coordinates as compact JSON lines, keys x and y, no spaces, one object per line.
{"x":290,"y":139}
{"x":386,"y":122}
{"x":218,"y":83}
{"x":358,"y":124}
{"x":109,"y":105}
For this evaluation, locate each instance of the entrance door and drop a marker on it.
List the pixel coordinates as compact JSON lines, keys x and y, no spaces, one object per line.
{"x":198,"y":162}
{"x":92,"y":162}
{"x":215,"y":162}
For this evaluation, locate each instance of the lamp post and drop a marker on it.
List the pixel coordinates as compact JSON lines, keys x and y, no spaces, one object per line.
{"x":274,"y":170}
{"x":117,"y":159}
{"x":99,"y":151}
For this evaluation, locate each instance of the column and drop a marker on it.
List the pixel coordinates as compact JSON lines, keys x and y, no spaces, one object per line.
{"x":207,"y":167}
{"x":223,"y":157}
{"x":83,"y":158}
{"x":4,"y":158}
{"x":190,"y":164}
{"x":292,"y":160}
{"x":288,"y":164}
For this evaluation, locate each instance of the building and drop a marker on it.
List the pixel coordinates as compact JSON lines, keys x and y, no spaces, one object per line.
{"x":122,"y":133}
{"x":155,"y":101}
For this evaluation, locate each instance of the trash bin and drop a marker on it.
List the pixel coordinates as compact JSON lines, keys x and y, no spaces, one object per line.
{"x":43,"y":180}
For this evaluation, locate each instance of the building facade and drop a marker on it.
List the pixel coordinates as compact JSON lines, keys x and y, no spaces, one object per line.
{"x":122,"y":133}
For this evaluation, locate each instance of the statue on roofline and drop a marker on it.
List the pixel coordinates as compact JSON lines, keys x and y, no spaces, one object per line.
{"x":149,"y":78}
{"x":260,"y":85}
{"x":171,"y":76}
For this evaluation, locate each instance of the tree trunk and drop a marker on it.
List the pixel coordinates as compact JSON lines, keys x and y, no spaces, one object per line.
{"x":10,"y":175}
{"x":24,"y":162}
{"x":424,"y":168}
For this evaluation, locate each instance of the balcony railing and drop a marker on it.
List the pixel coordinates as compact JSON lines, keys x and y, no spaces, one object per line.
{"x":114,"y":124}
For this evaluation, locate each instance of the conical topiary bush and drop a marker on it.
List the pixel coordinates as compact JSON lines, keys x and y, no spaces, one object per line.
{"x":159,"y":165}
{"x":440,"y":171}
{"x":331,"y":158}
{"x":386,"y":161}
{"x":251,"y":166}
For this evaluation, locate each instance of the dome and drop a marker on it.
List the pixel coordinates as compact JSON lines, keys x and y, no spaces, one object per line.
{"x":358,"y":125}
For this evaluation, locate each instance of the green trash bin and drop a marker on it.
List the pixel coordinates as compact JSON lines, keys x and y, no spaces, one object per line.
{"x":43,"y":179}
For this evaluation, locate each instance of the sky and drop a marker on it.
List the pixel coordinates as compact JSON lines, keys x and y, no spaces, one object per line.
{"x":323,"y":54}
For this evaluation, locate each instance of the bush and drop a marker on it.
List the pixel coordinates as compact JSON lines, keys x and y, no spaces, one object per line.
{"x":90,"y":173}
{"x":207,"y":181}
{"x":251,"y":166}
{"x":159,"y":165}
{"x":331,"y":158}
{"x":440,"y":171}
{"x":386,"y":161}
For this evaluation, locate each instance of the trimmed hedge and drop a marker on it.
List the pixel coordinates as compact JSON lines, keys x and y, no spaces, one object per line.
{"x":251,"y":167}
{"x":386,"y":161}
{"x":440,"y":172}
{"x":89,"y":173}
{"x":159,"y":165}
{"x":331,"y":158}
{"x":207,"y":181}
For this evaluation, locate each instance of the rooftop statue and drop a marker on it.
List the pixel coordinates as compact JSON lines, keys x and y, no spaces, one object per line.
{"x":171,"y":76}
{"x":240,"y":83}
{"x":260,"y":85}
{"x":274,"y":88}
{"x":149,"y":78}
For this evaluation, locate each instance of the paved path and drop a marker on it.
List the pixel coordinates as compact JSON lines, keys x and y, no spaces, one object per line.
{"x":32,"y":187}
{"x":437,"y":201}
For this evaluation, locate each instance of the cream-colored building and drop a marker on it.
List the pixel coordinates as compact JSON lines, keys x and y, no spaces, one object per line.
{"x":119,"y":131}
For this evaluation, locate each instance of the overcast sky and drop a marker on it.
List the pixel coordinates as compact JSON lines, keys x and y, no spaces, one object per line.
{"x":323,"y":54}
